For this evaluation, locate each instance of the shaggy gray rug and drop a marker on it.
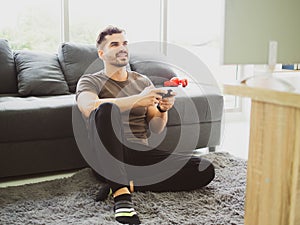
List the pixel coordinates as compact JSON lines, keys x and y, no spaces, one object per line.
{"x":71,"y":200}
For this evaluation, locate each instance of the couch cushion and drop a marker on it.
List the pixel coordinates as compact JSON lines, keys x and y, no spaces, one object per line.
{"x":156,"y":68}
{"x":8,"y":75}
{"x":39,"y":74}
{"x":78,"y":59}
{"x":196,"y":104}
{"x":36,"y":118}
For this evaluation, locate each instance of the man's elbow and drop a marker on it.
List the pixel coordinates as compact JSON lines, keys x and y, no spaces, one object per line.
{"x":159,"y":131}
{"x":84,"y":110}
{"x":86,"y":103}
{"x":86,"y":113}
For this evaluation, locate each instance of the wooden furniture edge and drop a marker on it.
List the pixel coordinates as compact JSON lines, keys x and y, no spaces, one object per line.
{"x":260,"y":94}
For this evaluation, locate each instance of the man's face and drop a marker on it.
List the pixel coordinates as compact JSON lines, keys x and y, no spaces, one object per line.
{"x":115,"y":50}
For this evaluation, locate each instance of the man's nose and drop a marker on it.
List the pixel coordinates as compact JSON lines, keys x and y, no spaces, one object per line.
{"x":123,"y":48}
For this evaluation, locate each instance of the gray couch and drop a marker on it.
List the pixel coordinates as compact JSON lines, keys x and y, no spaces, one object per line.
{"x":37,"y":100}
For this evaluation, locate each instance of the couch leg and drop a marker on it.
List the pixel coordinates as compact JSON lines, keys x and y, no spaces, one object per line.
{"x":211,"y":149}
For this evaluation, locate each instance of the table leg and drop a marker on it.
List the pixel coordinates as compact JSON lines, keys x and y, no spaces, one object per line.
{"x":273,"y":182}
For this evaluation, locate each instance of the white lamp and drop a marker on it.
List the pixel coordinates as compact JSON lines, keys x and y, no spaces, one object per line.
{"x":262,"y":32}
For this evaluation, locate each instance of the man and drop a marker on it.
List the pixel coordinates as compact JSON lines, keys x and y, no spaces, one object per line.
{"x":121,"y":106}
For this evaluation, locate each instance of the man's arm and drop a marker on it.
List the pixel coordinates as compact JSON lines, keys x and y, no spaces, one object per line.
{"x":158,"y":120}
{"x":89,"y":101}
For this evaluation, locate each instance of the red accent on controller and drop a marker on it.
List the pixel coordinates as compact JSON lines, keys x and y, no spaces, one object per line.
{"x":184,"y":82}
{"x":169,"y":83}
{"x":175,"y":82}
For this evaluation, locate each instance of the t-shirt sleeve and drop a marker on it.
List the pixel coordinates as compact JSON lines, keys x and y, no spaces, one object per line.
{"x":147,"y":82}
{"x":85,"y":84}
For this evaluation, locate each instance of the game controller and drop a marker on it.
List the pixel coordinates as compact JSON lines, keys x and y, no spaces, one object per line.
{"x":168,"y":94}
{"x":175,"y":82}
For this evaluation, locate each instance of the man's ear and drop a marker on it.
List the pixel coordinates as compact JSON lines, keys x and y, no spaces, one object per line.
{"x":100,"y":54}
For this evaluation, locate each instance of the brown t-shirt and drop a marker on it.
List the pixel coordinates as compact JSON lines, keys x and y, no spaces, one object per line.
{"x":134,"y":120}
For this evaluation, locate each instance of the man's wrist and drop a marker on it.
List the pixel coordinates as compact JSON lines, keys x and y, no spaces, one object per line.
{"x":160,"y":109}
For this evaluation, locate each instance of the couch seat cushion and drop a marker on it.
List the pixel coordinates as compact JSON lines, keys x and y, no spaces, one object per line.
{"x":39,"y":74}
{"x":35,"y":118}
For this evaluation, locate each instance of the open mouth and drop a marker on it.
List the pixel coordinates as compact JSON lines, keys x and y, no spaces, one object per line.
{"x":122,"y":54}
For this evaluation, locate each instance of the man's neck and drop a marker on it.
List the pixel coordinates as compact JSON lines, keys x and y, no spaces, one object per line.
{"x":118,"y":74}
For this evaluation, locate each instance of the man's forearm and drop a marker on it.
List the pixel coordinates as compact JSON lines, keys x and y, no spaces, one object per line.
{"x":158,"y":122}
{"x":124,"y":103}
{"x":127,"y":103}
{"x":87,"y":102}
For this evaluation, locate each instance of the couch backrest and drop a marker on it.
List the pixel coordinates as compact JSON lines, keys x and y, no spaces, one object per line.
{"x":155,"y":67}
{"x":8,"y":74}
{"x":76,"y":60}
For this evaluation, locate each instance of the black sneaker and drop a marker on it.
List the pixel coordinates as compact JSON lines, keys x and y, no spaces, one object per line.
{"x":103,"y":193}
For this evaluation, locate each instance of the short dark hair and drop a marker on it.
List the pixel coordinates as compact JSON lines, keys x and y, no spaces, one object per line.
{"x":107,"y":31}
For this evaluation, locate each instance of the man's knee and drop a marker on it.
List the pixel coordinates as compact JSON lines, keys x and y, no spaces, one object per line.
{"x":205,"y":166}
{"x":106,"y":109}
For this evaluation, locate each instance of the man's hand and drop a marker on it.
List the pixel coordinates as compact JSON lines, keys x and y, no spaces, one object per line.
{"x":150,"y":96}
{"x":167,"y":103}
{"x":157,"y":120}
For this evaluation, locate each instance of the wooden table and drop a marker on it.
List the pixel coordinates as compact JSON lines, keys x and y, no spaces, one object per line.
{"x":273,"y":172}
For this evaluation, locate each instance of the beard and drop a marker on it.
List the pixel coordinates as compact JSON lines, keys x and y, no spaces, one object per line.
{"x":120,"y":61}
